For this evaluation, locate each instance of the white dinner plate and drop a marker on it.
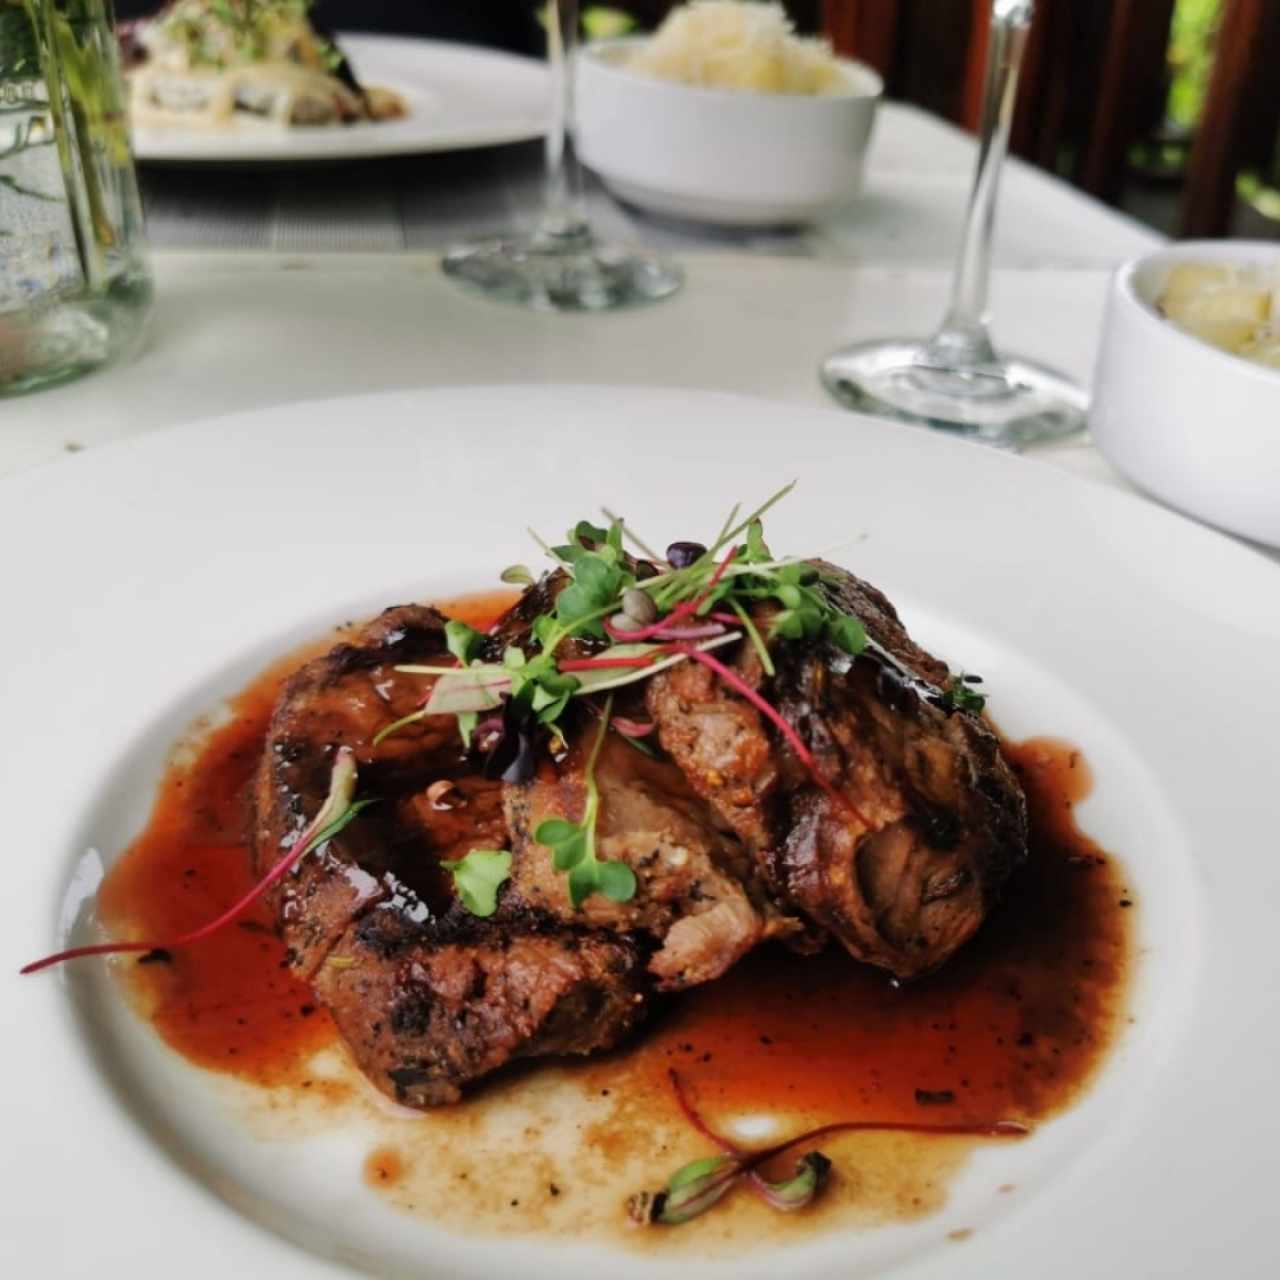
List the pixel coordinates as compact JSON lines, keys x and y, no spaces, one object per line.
{"x":143,"y":581}
{"x":457,"y":96}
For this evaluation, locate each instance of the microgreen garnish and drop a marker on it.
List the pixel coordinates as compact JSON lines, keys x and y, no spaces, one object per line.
{"x":697,"y":1186}
{"x":478,"y":877}
{"x":338,"y":810}
{"x":959,"y":695}
{"x":573,"y":844}
{"x":653,"y":613}
{"x":462,"y":640}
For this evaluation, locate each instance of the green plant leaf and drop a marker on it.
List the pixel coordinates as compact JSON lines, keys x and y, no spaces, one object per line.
{"x":585,"y":531}
{"x":804,"y":1184}
{"x":555,"y":831}
{"x":583,"y":881}
{"x":616,"y":881}
{"x":696,"y":1171}
{"x":462,"y":640}
{"x":847,"y":633}
{"x":478,"y":877}
{"x":517,"y":575}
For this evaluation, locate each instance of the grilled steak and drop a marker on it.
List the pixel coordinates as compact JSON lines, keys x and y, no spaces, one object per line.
{"x":894,"y":838}
{"x":902,"y":851}
{"x":428,"y":998}
{"x":692,"y":880}
{"x":429,"y":1006}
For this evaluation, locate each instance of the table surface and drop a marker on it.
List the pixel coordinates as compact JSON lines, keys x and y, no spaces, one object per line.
{"x":918,"y":176}
{"x":278,"y":285}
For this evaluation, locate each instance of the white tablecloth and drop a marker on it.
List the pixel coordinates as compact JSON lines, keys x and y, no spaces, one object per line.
{"x":247,"y":330}
{"x":918,"y":177}
{"x":300,"y":315}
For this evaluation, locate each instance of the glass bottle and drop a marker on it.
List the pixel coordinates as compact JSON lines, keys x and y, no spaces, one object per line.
{"x":75,"y":286}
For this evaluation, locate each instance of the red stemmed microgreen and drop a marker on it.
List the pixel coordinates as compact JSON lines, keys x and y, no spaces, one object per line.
{"x":780,"y":722}
{"x":333,"y":816}
{"x":696,"y":1186}
{"x":698,"y":599}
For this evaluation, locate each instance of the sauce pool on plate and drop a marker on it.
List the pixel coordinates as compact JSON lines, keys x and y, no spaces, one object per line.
{"x":1012,"y":1029}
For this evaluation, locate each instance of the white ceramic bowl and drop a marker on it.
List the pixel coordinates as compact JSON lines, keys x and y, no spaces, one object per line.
{"x":1194,"y":426}
{"x":728,"y":156}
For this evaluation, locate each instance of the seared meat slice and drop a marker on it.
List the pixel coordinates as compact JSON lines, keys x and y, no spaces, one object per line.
{"x":720,"y":742}
{"x":693,"y":881}
{"x":904,"y":846}
{"x":429,"y":1008}
{"x":343,"y":699}
{"x":427,"y":998}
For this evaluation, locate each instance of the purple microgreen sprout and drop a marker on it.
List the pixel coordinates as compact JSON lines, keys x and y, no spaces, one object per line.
{"x":339,"y":809}
{"x":696,"y":1186}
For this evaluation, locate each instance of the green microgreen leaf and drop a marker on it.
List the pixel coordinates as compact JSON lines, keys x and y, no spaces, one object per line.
{"x":695,"y":1188}
{"x":573,"y":605}
{"x":467,"y":721}
{"x":518,"y":575}
{"x":757,"y":551}
{"x":616,"y":881}
{"x":696,"y":1171}
{"x":570,"y":554}
{"x":599,"y":580}
{"x":798,"y":1191}
{"x":959,"y":695}
{"x":396,"y":725}
{"x":757,"y":640}
{"x":555,"y":831}
{"x":544,"y":630}
{"x":583,"y":882}
{"x":846,"y":633}
{"x":477,"y":688}
{"x":566,"y":840}
{"x":339,"y":824}
{"x":585,"y":531}
{"x":573,"y":847}
{"x":462,"y":641}
{"x":478,"y":877}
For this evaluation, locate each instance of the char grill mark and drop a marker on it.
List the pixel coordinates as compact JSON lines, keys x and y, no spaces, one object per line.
{"x":429,"y":1010}
{"x":428,"y":999}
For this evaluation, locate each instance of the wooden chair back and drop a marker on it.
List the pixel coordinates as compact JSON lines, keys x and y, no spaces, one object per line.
{"x":1241,"y":116}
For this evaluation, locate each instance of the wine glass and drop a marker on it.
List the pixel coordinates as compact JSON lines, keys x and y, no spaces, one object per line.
{"x":956,"y":380}
{"x":561,"y":266}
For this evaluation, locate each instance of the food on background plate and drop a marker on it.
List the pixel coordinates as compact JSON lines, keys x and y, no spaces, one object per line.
{"x":731,"y":44}
{"x":212,"y":63}
{"x":1235,"y":308}
{"x":646,"y":768}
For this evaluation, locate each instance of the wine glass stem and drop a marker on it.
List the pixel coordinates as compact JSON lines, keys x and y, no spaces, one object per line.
{"x":964,"y":338}
{"x":563,"y":217}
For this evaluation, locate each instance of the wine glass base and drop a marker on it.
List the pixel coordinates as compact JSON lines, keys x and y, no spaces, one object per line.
{"x":1009,"y":404}
{"x":570,"y":274}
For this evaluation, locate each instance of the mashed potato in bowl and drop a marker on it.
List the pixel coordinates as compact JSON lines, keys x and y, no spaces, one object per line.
{"x":730,"y":44}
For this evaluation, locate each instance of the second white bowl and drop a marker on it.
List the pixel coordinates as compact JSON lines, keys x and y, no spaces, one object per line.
{"x":1197,"y":427}
{"x":728,"y":156}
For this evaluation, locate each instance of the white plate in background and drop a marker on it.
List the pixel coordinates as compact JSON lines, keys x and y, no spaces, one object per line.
{"x":457,"y":96}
